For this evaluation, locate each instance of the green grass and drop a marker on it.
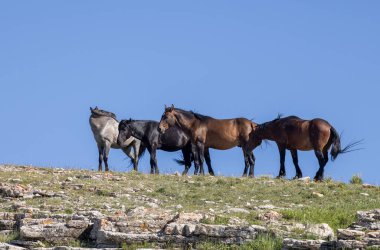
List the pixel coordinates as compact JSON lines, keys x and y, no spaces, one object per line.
{"x":356,"y":179}
{"x":337,"y":207}
{"x":8,"y":238}
{"x":262,"y":242}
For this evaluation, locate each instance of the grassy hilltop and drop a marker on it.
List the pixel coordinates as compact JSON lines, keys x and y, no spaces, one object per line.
{"x":330,"y":202}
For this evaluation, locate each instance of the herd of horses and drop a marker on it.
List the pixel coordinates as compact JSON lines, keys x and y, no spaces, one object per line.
{"x":194,"y":134}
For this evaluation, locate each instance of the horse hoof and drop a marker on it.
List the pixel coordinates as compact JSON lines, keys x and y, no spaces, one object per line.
{"x":318,"y":179}
{"x":251,"y":176}
{"x":280,"y":177}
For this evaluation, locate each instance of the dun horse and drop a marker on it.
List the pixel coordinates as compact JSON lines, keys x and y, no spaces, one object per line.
{"x":104,"y":126}
{"x":207,"y":132}
{"x":172,"y":140}
{"x":294,"y":134}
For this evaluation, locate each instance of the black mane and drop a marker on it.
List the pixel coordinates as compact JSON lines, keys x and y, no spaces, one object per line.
{"x":100,"y":112}
{"x":191,"y":114}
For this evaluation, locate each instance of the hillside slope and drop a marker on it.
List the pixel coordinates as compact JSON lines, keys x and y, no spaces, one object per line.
{"x":54,"y":206}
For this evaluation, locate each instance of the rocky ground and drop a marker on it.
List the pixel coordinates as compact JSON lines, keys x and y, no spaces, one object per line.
{"x":50,"y":207}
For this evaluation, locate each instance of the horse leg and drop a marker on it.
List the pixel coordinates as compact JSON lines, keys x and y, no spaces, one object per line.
{"x":208,"y":161}
{"x":322,"y":164}
{"x":252,"y":160}
{"x":186,"y":152}
{"x":295,"y":162}
{"x":326,"y":154}
{"x":105,"y":155}
{"x":100,"y":151}
{"x":201,"y":151}
{"x":153,"y":161}
{"x":136,"y":149}
{"x":246,"y":162}
{"x":194,"y":151}
{"x":282,"y":151}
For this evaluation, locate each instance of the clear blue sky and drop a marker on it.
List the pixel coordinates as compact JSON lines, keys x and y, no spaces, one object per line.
{"x":221,"y":58}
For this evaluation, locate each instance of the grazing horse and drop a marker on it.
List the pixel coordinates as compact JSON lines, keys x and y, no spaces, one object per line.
{"x":207,"y":132}
{"x":294,"y":134}
{"x":173,"y":140}
{"x":104,"y":126}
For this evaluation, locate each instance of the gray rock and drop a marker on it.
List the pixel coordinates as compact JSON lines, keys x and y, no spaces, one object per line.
{"x":351,"y":244}
{"x":322,"y":231}
{"x":347,"y":234}
{"x":5,"y":246}
{"x":237,"y":210}
{"x":289,"y":243}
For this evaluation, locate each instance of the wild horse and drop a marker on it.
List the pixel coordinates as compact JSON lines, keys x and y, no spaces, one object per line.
{"x":173,"y":139}
{"x":294,"y":134}
{"x":104,"y":126}
{"x":207,"y":132}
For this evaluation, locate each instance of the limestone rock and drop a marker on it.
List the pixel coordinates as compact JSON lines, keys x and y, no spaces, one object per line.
{"x":347,"y":234}
{"x":322,"y":231}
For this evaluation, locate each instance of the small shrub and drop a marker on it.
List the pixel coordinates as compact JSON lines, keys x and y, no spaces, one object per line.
{"x":356,"y":179}
{"x":8,"y":238}
{"x":161,"y":190}
{"x":266,"y":242}
{"x":69,"y":211}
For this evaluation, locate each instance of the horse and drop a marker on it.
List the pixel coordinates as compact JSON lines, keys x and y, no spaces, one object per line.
{"x":293,"y":133}
{"x":104,"y":126}
{"x":208,"y":132}
{"x":173,"y":140}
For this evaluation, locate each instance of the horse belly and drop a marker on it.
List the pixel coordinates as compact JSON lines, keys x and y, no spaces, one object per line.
{"x":221,"y":144}
{"x":302,"y":142}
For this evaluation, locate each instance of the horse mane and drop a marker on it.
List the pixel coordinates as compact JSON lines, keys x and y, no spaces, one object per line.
{"x":190,"y":114}
{"x":100,"y":112}
{"x":200,"y":116}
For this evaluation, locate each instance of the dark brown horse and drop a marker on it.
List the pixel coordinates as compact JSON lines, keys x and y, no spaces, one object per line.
{"x":207,"y":132}
{"x":294,"y":134}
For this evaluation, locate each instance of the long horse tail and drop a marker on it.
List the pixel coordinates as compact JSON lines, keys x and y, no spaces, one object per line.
{"x":336,"y":146}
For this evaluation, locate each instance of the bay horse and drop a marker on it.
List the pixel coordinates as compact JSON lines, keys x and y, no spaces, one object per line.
{"x":104,"y":126}
{"x":173,"y":139}
{"x":293,"y":133}
{"x":207,"y":132}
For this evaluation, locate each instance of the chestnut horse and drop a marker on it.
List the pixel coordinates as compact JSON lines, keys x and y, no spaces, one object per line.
{"x":207,"y":132}
{"x":294,"y":134}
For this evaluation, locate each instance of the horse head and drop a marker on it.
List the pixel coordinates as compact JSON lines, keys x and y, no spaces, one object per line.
{"x":168,"y":119}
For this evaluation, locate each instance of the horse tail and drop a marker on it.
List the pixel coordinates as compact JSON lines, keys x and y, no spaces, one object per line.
{"x":181,"y":161}
{"x":336,"y":146}
{"x":142,"y":150}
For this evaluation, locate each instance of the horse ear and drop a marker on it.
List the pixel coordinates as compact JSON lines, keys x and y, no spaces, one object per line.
{"x":96,"y":107}
{"x":91,"y":109}
{"x":166,"y":107}
{"x":172,"y":108}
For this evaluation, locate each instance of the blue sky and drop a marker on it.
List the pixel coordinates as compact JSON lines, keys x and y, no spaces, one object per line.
{"x":226,"y":59}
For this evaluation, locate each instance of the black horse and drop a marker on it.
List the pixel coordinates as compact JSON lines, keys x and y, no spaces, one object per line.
{"x":173,"y":139}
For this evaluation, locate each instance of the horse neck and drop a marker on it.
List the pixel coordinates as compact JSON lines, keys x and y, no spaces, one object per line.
{"x":138,"y":130}
{"x":185,"y":123}
{"x":266,"y":133}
